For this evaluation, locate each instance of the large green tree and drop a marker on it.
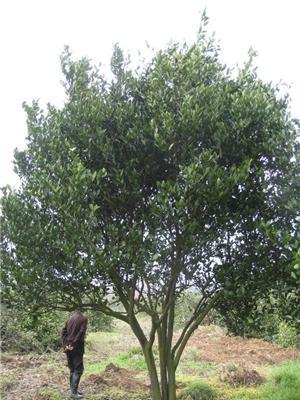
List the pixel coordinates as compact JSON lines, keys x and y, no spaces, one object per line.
{"x":167,"y":178}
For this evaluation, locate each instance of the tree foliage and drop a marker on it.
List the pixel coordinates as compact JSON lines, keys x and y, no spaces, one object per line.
{"x":27,"y":330}
{"x":180,"y":175}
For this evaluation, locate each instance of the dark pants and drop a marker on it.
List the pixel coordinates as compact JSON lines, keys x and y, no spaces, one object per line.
{"x":75,"y":361}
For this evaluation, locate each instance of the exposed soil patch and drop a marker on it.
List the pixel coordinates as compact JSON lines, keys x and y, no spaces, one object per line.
{"x":22,"y":360}
{"x":114,"y":376}
{"x":213,"y":346}
{"x":23,"y":376}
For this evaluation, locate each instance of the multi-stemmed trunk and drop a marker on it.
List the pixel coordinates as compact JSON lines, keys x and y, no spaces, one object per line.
{"x":163,"y":382}
{"x":170,"y":349}
{"x":166,"y":359}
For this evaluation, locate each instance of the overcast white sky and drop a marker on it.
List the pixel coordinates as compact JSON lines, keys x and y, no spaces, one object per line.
{"x":34,"y":32}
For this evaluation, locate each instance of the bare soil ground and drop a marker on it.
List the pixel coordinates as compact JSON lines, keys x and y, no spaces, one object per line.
{"x":29,"y":377}
{"x":24,"y":375}
{"x":213,"y":346}
{"x":114,"y":376}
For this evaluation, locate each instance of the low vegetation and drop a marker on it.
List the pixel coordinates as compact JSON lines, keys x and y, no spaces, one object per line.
{"x":28,"y":329}
{"x":115,"y":370}
{"x":198,"y":391}
{"x":284,"y":383}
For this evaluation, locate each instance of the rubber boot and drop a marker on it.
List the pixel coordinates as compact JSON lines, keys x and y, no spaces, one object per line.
{"x":74,"y":386}
{"x":71,"y":380}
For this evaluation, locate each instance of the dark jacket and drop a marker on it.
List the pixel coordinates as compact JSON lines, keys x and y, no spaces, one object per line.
{"x":74,"y":332}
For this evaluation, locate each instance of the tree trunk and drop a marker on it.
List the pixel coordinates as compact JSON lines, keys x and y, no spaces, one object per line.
{"x":148,"y":355}
{"x":170,"y":360}
{"x":163,"y":362}
{"x":167,"y":364}
{"x":155,"y":387}
{"x":171,"y":379}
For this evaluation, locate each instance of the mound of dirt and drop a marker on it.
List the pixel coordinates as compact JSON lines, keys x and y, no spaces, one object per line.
{"x":240,"y":376}
{"x":114,"y":376}
{"x":95,"y":380}
{"x":113,"y":368}
{"x":212,"y":345}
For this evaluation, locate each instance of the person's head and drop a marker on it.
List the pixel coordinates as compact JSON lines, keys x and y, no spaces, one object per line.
{"x":78,"y":310}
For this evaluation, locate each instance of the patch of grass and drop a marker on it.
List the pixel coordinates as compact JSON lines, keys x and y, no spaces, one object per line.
{"x":132,"y":359}
{"x":226,"y":392}
{"x":284,"y":383}
{"x":117,"y":394}
{"x":101,"y":339}
{"x":48,"y":394}
{"x":109,"y":344}
{"x":221,"y":391}
{"x":95,"y":368}
{"x":198,"y":391}
{"x":191,"y":367}
{"x":7,"y":383}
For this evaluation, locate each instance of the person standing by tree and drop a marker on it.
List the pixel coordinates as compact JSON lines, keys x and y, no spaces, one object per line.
{"x":72,"y":336}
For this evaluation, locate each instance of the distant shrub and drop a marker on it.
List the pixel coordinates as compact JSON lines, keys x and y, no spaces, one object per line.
{"x":198,"y":391}
{"x":266,"y":318}
{"x":99,"y":322}
{"x":27,"y":330}
{"x":186,"y":306}
{"x":287,"y":336}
